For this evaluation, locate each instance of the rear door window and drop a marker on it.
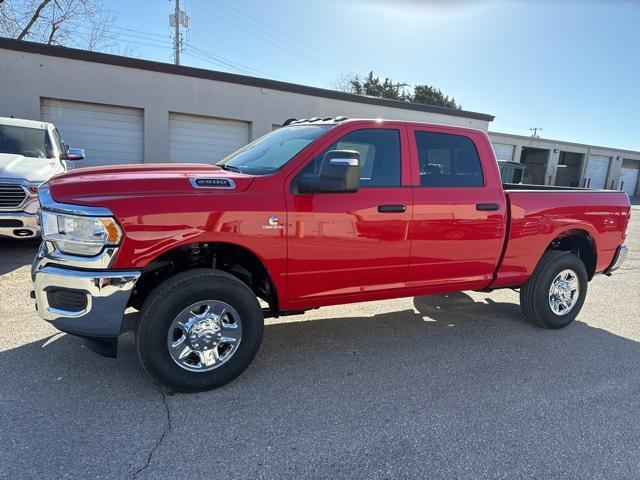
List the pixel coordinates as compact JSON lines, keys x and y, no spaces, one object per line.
{"x":448,"y":160}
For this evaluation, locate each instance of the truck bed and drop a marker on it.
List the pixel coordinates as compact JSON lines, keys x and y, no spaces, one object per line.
{"x":545,"y":188}
{"x":535,"y":221}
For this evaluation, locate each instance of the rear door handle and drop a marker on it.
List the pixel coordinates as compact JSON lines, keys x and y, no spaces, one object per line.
{"x":392,"y":208}
{"x":487,"y":207}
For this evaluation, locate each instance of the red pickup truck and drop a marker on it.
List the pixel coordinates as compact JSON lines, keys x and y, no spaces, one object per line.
{"x":319,"y":212}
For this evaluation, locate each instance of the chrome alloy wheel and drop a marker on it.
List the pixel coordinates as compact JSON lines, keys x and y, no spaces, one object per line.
{"x":204,"y":335}
{"x":564,"y":292}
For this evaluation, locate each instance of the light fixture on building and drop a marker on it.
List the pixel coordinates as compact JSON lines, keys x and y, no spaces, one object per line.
{"x":555,"y":150}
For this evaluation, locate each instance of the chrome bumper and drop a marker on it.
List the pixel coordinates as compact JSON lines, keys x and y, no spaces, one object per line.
{"x":106,"y":292}
{"x":618,"y":259}
{"x":19,"y":225}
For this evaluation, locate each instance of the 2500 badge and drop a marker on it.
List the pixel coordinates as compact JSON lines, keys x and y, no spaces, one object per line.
{"x":213,"y":183}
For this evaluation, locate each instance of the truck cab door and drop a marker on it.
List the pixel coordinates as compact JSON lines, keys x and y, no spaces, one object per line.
{"x":459,"y":221}
{"x":347,"y":246}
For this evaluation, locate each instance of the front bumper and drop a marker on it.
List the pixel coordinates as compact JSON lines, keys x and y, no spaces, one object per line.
{"x":18,"y":225}
{"x":106,"y":295}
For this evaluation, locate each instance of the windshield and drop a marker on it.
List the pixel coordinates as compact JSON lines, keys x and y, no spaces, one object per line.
{"x":29,"y":142}
{"x":271,"y":152}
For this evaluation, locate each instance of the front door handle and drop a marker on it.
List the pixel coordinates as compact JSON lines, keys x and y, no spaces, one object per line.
{"x":487,"y":207}
{"x":392,"y":208}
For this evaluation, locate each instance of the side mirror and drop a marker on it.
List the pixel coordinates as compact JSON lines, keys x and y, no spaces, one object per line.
{"x":339,"y":173}
{"x":73,"y":154}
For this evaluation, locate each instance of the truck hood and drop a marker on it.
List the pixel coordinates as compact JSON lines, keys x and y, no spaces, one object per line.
{"x":92,"y":186}
{"x":34,"y":170}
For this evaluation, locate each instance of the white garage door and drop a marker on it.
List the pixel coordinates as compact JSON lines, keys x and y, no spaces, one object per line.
{"x":109,"y":134}
{"x":629,"y":180}
{"x":196,"y":139}
{"x":503,"y":151}
{"x":596,"y":173}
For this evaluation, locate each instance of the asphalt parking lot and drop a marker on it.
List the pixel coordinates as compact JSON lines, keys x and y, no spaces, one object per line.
{"x":432,"y":387}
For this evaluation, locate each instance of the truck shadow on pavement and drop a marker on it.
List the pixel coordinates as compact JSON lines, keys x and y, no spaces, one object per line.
{"x":16,"y":253}
{"x":454,"y":375}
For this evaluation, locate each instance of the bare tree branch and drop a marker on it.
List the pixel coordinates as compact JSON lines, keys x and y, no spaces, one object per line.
{"x":54,"y":29}
{"x":76,"y":23}
{"x":33,"y":19}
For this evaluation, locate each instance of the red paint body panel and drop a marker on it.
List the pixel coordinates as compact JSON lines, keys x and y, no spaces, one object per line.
{"x":159,"y":210}
{"x":339,"y":245}
{"x":538,"y":217}
{"x":452,"y":243}
{"x":337,"y":248}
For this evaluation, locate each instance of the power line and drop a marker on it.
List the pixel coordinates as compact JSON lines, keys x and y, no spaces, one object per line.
{"x":124,"y":37}
{"x":211,"y":57}
{"x":214,"y":57}
{"x":228,"y":8}
{"x":270,"y":39}
{"x":299,"y":41}
{"x":512,"y":123}
{"x":534,"y":131}
{"x":133,"y":35}
{"x":194,"y":55}
{"x":246,"y":16}
{"x":242,"y":18}
{"x":147,"y":44}
{"x":164,"y":41}
{"x":216,"y":61}
{"x":141,"y":32}
{"x":519,"y":126}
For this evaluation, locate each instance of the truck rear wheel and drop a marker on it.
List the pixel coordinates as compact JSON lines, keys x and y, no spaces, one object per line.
{"x":199,"y":330}
{"x":555,"y":293}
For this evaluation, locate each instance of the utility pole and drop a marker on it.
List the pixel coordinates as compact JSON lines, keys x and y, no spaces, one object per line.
{"x":176,"y":34}
{"x":177,"y":18}
{"x":534,"y":131}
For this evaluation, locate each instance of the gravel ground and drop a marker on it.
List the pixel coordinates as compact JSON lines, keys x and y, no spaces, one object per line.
{"x":455,"y":386}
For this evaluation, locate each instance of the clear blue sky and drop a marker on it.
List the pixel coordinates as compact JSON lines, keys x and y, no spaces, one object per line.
{"x":571,"y":67}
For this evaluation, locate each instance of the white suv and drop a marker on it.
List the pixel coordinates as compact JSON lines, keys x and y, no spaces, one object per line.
{"x":31,"y":152}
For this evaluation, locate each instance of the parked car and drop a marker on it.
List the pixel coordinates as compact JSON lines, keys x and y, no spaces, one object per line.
{"x":316,"y":213}
{"x":31,"y":152}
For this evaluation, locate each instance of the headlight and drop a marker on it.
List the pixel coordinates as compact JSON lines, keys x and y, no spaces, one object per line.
{"x":78,"y":235}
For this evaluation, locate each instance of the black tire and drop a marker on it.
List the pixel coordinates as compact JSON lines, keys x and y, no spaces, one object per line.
{"x":534,"y":295}
{"x":173,"y":295}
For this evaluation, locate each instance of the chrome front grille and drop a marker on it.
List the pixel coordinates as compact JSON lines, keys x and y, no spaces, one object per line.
{"x":11,"y":196}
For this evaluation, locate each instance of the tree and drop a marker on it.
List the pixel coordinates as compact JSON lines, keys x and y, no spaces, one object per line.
{"x":373,"y":86}
{"x":433,"y":96}
{"x":77,"y":23}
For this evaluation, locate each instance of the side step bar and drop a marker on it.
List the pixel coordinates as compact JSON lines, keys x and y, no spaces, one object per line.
{"x":270,"y":314}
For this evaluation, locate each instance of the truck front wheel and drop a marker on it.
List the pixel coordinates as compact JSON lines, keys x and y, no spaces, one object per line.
{"x":199,"y":330}
{"x":555,"y":293}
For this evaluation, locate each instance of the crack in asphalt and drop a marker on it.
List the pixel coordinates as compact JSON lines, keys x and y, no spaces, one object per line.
{"x":164,"y":433}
